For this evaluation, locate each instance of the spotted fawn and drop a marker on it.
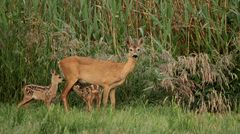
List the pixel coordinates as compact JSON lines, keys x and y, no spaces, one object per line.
{"x":44,"y":93}
{"x":88,"y":93}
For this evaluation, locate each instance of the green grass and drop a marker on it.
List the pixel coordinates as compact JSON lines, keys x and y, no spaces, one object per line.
{"x":125,"y":119}
{"x":35,"y":35}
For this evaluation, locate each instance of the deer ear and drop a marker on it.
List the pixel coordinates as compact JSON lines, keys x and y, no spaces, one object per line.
{"x":53,"y":72}
{"x":129,"y":41}
{"x":140,"y":41}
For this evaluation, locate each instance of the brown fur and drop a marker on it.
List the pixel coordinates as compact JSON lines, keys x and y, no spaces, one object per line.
{"x":107,"y":74}
{"x":89,"y":93}
{"x":44,"y":93}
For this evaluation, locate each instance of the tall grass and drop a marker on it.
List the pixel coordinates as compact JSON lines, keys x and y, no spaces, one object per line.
{"x":34,"y":35}
{"x":198,"y":82}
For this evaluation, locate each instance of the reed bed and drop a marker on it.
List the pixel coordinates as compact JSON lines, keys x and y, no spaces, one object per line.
{"x":34,"y":35}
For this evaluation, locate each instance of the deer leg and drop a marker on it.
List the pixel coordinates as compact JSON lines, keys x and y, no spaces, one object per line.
{"x":91,"y":103}
{"x":89,"y":107}
{"x":24,"y":101}
{"x":65,"y":94}
{"x":98,"y":100}
{"x":26,"y":104}
{"x":112,"y":98}
{"x":105,"y":96}
{"x":48,"y":103}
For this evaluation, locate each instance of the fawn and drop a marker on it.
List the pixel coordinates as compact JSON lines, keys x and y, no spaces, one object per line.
{"x":88,"y":93}
{"x":44,"y":93}
{"x":107,"y":74}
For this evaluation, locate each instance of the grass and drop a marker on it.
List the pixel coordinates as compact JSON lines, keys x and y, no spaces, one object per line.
{"x":126,"y":119}
{"x":35,"y":35}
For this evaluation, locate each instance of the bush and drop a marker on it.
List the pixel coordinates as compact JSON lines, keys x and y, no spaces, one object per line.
{"x":198,"y":82}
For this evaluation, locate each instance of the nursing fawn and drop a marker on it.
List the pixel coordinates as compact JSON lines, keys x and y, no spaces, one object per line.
{"x":44,"y":93}
{"x":107,"y":74}
{"x":88,"y":93}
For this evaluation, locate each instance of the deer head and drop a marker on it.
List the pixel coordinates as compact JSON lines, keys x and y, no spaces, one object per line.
{"x":134,"y":46}
{"x":56,"y":78}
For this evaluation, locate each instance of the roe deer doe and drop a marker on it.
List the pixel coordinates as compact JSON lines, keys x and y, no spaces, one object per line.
{"x":107,"y":74}
{"x":45,"y":93}
{"x":88,"y":93}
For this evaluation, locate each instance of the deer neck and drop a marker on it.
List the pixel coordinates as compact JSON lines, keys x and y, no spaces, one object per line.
{"x":128,"y":67}
{"x":53,"y":88}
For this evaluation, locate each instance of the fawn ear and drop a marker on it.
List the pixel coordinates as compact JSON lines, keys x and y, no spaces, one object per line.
{"x":141,"y":41}
{"x":129,"y":41}
{"x":53,"y":72}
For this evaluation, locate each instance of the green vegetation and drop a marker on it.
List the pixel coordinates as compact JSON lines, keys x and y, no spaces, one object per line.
{"x":190,"y":64}
{"x":35,"y":35}
{"x":128,"y":119}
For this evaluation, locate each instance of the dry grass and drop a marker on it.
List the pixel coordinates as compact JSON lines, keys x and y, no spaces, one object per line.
{"x":64,"y":43}
{"x":197,"y":81}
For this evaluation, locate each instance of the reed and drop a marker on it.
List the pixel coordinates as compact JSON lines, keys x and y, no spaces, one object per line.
{"x":34,"y":35}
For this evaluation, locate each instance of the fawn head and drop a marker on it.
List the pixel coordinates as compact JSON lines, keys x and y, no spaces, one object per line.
{"x":56,"y":78}
{"x":134,"y":46}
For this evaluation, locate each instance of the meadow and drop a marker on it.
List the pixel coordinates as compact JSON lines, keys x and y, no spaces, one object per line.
{"x":186,"y":79}
{"x":139,"y":119}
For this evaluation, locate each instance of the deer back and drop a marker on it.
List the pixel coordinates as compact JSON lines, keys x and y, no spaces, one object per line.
{"x":36,"y":91}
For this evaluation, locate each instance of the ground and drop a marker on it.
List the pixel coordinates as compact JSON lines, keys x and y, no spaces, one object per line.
{"x":125,"y":119}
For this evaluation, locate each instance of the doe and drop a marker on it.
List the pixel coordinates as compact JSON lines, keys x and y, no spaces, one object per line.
{"x":107,"y":74}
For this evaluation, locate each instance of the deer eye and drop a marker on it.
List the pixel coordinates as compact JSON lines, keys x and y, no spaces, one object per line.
{"x":138,"y":49}
{"x":131,"y":49}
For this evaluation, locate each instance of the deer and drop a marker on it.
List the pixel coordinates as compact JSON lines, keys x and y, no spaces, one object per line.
{"x":88,"y":93}
{"x":106,"y":73}
{"x":44,"y":93}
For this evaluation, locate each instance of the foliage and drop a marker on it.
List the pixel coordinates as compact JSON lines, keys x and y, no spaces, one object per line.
{"x":34,"y":35}
{"x":198,"y":82}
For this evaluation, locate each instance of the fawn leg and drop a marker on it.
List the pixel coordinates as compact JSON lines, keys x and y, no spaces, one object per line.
{"x":89,"y":105}
{"x":24,"y":101}
{"x":27,"y":104}
{"x":48,"y":103}
{"x":112,"y":98}
{"x":65,"y":94}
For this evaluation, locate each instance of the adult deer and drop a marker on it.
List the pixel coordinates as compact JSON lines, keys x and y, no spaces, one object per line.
{"x":107,"y":74}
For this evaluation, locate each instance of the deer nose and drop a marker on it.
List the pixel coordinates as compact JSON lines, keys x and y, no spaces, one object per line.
{"x":134,"y":56}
